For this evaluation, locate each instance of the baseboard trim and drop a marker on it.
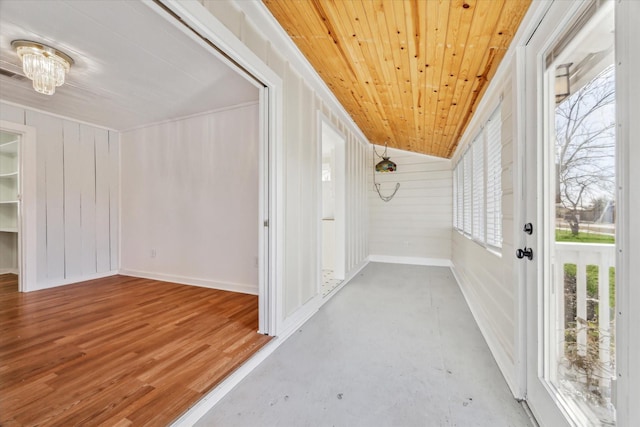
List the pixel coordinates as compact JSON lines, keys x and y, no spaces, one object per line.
{"x":203,"y":283}
{"x":435,"y":262}
{"x":8,"y":271}
{"x":478,"y":316}
{"x":353,"y":273}
{"x":291,"y":324}
{"x":69,"y":281}
{"x":205,"y":404}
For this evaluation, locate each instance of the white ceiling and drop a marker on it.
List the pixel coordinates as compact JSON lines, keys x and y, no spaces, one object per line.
{"x":132,"y":66}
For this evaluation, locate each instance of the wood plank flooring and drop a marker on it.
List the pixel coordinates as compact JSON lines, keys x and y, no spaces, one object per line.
{"x":117,"y":351}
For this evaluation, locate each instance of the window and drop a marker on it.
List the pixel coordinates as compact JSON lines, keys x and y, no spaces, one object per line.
{"x":460,"y":194}
{"x":494,"y":180}
{"x":455,"y":199}
{"x":477,"y":180}
{"x":467,"y":192}
{"x":478,"y":188}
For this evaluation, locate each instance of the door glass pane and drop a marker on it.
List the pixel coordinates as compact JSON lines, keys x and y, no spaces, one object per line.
{"x":582,"y":208}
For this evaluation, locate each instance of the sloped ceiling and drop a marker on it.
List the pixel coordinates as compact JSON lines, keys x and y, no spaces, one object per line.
{"x":410,"y":72}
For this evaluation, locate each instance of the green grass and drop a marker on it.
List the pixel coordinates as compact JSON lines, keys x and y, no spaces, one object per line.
{"x":592,"y":270}
{"x":566,"y":236}
{"x":592,"y":281}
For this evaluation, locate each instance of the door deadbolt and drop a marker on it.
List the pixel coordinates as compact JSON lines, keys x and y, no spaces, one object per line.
{"x":526,"y":252}
{"x":528,"y":228}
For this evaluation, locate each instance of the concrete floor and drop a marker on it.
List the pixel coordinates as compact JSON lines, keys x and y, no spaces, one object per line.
{"x":397,"y":346}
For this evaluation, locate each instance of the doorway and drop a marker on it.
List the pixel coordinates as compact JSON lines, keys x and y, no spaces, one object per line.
{"x":17,"y":218}
{"x":571,"y":200}
{"x":332,"y":221}
{"x":10,"y":206}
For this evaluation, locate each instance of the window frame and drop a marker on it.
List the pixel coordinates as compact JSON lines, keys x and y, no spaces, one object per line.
{"x":480,"y":226}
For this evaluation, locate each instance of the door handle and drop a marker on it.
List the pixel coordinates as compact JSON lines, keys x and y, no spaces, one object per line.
{"x":526,"y":252}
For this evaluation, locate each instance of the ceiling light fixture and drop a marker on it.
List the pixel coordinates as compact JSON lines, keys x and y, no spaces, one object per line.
{"x":43,"y":64}
{"x":385,"y":165}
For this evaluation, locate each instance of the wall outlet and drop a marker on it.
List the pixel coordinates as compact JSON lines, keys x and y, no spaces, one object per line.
{"x":153,"y":253}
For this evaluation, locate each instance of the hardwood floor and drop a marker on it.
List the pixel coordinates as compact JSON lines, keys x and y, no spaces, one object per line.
{"x":117,"y":351}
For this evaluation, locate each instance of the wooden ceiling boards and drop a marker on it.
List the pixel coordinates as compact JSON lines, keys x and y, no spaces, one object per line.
{"x":410,"y":72}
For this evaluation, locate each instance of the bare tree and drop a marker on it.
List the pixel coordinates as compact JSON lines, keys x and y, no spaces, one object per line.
{"x":585,"y":146}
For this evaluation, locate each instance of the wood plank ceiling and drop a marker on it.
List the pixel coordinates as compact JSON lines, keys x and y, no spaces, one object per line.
{"x":410,"y":72}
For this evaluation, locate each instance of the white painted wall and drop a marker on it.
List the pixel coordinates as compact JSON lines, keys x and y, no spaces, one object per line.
{"x":303,"y":96}
{"x":190,"y":200}
{"x":485,"y":277}
{"x":77,"y":197}
{"x":414,"y":226}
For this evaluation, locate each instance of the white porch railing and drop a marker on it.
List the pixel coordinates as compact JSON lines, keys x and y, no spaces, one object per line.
{"x":591,"y":368}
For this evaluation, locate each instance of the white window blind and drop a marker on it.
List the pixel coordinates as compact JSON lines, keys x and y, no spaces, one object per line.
{"x":466,"y":161}
{"x":455,"y":197}
{"x":477,"y":149}
{"x":460,"y":194}
{"x":494,"y":180}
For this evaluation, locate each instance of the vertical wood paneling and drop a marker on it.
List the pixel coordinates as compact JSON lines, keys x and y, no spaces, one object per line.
{"x":88,"y":198}
{"x":114,"y":199}
{"x":292,"y":200}
{"x":252,"y":39}
{"x":72,"y":214}
{"x":300,"y":147}
{"x":103,"y":250}
{"x":487,"y":278}
{"x":67,"y":207}
{"x":309,"y":196}
{"x":40,"y":122}
{"x":53,"y":141}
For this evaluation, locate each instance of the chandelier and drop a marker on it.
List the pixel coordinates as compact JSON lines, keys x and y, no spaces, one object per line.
{"x":43,"y":64}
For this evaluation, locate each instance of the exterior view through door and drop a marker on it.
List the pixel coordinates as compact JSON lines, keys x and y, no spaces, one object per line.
{"x":574,"y":369}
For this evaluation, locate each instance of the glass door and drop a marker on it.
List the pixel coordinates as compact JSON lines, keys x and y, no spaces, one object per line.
{"x":570,"y":186}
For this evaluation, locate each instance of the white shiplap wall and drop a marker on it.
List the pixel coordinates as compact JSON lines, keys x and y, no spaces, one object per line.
{"x":190,"y":200}
{"x":301,"y":169}
{"x":77,"y":196}
{"x":485,"y":277}
{"x":414,"y":226}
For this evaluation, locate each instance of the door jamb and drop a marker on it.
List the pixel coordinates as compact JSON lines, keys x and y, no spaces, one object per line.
{"x":201,"y":25}
{"x":27,"y":220}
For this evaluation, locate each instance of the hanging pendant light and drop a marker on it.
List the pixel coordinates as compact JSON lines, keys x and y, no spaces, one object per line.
{"x":43,"y":64}
{"x":386,"y":165}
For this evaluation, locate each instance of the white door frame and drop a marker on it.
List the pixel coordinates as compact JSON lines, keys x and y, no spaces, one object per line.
{"x":542,"y":401}
{"x":204,"y":28}
{"x":339,"y":198}
{"x":27,"y":222}
{"x":628,"y":208}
